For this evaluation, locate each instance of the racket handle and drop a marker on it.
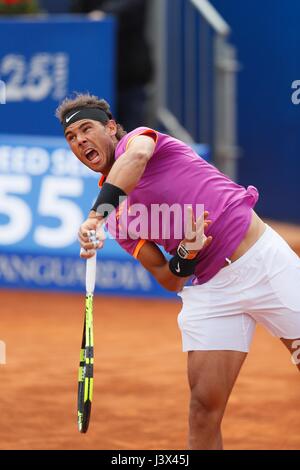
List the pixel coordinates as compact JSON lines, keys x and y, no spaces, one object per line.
{"x":90,"y":274}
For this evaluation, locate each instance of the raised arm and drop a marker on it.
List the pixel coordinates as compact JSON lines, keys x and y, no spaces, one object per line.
{"x":121,"y":180}
{"x":129,"y":168}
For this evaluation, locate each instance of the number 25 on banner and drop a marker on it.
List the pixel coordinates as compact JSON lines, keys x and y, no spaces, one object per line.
{"x":54,"y":201}
{"x":35,"y":78}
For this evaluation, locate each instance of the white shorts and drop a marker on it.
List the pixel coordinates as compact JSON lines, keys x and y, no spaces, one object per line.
{"x":263,"y":286}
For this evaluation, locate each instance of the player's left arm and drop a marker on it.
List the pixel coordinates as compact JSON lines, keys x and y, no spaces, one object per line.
{"x":127,"y":171}
{"x":151,"y":257}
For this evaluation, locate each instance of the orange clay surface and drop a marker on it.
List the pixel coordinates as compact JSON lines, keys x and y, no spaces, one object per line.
{"x":141,"y":392}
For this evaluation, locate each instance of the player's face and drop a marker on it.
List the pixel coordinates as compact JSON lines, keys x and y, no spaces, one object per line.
{"x":93,"y":143}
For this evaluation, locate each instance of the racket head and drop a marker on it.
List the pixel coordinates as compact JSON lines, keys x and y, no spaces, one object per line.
{"x":86,"y":369}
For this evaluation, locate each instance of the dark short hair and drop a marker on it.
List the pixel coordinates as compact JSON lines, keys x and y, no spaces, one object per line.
{"x":85,"y":100}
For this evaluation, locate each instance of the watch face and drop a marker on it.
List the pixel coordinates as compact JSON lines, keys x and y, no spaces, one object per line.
{"x":182,"y":252}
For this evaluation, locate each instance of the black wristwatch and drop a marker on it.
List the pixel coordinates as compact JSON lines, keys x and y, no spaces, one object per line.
{"x":184,"y":253}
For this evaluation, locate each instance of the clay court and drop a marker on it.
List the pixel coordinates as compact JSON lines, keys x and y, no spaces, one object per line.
{"x":198,"y":71}
{"x":141,"y":393}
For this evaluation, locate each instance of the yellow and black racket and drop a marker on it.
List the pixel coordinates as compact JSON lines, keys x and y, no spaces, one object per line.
{"x":86,"y":364}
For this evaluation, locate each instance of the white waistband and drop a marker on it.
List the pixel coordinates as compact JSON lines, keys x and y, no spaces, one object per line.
{"x":267,"y":235}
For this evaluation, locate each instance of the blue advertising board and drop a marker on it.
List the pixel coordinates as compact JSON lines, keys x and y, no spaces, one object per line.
{"x":43,"y":59}
{"x":45,"y":194}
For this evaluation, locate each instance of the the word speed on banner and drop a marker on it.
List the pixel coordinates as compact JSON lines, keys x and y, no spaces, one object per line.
{"x":45,"y":194}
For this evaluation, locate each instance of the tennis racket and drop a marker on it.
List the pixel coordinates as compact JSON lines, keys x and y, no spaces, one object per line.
{"x":86,"y":364}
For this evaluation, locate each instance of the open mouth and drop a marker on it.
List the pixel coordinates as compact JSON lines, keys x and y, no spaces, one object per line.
{"x":92,"y":155}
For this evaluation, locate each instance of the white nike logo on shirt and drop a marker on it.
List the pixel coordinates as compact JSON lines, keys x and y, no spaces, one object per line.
{"x":70,"y":117}
{"x":178,"y":268}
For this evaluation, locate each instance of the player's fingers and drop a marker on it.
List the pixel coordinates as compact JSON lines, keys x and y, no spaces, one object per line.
{"x":91,"y":239}
{"x":96,"y":237}
{"x":207,"y":224}
{"x":203,"y":219}
{"x":82,"y":238}
{"x":86,"y":254}
{"x":200,"y":224}
{"x":91,"y":233}
{"x":199,"y":238}
{"x":88,"y":228}
{"x":88,"y":234}
{"x":207,"y":241}
{"x":190,"y":225}
{"x":91,"y":245}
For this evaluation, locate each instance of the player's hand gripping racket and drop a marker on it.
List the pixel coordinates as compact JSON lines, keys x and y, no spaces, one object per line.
{"x":86,"y":365}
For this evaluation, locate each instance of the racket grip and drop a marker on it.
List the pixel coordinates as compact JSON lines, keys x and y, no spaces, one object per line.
{"x":90,"y":274}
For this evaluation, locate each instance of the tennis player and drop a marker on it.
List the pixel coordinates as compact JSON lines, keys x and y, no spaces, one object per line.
{"x":242,"y":271}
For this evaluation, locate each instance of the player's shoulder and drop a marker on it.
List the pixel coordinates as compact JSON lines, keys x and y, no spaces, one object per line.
{"x":140,"y":131}
{"x":130,"y":136}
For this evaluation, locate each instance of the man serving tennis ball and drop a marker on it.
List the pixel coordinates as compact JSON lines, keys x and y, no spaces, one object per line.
{"x":243,"y":272}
